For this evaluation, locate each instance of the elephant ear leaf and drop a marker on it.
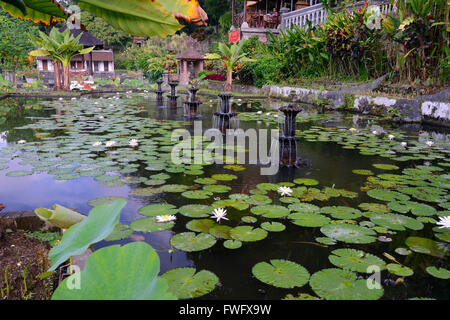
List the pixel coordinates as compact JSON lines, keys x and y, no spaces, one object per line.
{"x":44,"y":12}
{"x":18,"y":4}
{"x":187,"y":10}
{"x":146,"y":17}
{"x":100,"y":222}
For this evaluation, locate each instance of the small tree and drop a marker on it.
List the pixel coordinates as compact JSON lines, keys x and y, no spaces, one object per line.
{"x":14,"y":42}
{"x":231,"y":56}
{"x":61,"y":47}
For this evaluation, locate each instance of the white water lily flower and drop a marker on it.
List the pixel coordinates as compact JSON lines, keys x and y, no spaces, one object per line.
{"x":268,"y":114}
{"x":219,"y":214}
{"x":165,"y":218}
{"x":375,"y":132}
{"x":352,"y":129}
{"x":444,"y":222}
{"x":134,"y":143}
{"x":21,"y":141}
{"x":276,"y":116}
{"x":101,"y":117}
{"x":403,"y":144}
{"x":391,"y":137}
{"x":284,"y":191}
{"x":110,"y":143}
{"x":97,"y":144}
{"x":259,"y":112}
{"x":429,"y":143}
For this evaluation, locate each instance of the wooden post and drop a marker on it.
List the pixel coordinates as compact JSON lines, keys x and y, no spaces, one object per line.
{"x":245,"y":11}
{"x":232,"y":13}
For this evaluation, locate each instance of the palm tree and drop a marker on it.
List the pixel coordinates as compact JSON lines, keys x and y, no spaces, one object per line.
{"x":61,"y":47}
{"x":231,"y":56}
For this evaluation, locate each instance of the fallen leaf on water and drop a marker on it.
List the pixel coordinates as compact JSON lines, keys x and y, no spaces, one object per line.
{"x":2,"y":206}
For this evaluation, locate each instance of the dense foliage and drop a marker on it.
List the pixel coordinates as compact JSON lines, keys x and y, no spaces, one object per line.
{"x":155,"y":56}
{"x":411,"y":45}
{"x":15,"y":42}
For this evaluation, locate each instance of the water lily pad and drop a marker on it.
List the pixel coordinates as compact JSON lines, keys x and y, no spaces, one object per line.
{"x":309,"y":219}
{"x":338,"y":284}
{"x":440,"y":273}
{"x":158,"y":209}
{"x":224,"y":177}
{"x":267,"y":186}
{"x":426,"y":246}
{"x":220,"y":231}
{"x":217,"y":188}
{"x":174,"y":188}
{"x":403,"y":251}
{"x":306,"y":182}
{"x":385,"y":166}
{"x":399,"y":270}
{"x":19,"y":173}
{"x":326,"y":240}
{"x":304,"y":207}
{"x":396,"y":221}
{"x":387,"y":195}
{"x":196,"y":210}
{"x":270,"y":211}
{"x":150,"y":225}
{"x":341,"y":212}
{"x":355,"y":260}
{"x":249,"y":219}
{"x":103,"y":200}
{"x":281,"y":273}
{"x":205,"y":181}
{"x":363,"y":172}
{"x":232,"y":244}
{"x":374,"y":207}
{"x":201,"y":225}
{"x":349,"y":233}
{"x":120,"y":232}
{"x":273,"y":226}
{"x":234,"y":203}
{"x":197,"y":194}
{"x":189,"y":241}
{"x":248,"y":233}
{"x":258,"y":199}
{"x":184,"y":283}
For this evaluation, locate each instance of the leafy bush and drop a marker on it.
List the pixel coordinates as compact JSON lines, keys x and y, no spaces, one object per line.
{"x":265,"y":70}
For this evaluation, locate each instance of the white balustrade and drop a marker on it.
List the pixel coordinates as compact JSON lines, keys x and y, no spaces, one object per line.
{"x":317,"y":14}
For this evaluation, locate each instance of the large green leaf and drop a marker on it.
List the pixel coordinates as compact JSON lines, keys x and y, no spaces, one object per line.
{"x":44,"y":12}
{"x":118,"y":273}
{"x":141,"y":18}
{"x":281,"y":273}
{"x":98,"y":225}
{"x":184,"y":283}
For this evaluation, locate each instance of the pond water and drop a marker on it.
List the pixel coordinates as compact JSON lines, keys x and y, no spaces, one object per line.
{"x":57,"y":163}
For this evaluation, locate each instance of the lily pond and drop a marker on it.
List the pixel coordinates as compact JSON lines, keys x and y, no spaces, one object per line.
{"x":369,"y":199}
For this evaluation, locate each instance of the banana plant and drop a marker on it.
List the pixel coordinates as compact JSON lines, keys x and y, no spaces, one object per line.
{"x":60,"y":46}
{"x":231,"y":56}
{"x":137,"y":17}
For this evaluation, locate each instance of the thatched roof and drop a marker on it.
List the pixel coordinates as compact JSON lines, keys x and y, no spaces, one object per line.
{"x":87,"y":39}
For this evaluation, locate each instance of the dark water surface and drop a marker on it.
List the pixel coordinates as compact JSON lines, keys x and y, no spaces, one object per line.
{"x":330,"y":165}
